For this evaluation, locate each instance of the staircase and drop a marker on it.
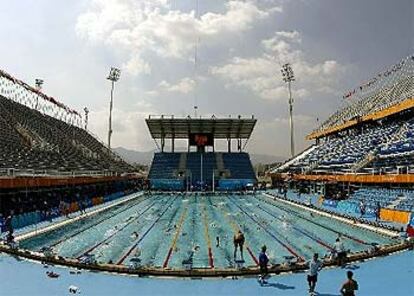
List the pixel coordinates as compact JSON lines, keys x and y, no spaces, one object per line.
{"x":364,"y":162}
{"x":310,"y":168}
{"x":371,"y":156}
{"x":219,"y":161}
{"x":397,"y":201}
{"x":182,"y":165}
{"x":294,"y":159}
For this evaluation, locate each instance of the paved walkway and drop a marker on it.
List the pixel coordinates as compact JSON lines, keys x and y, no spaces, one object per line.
{"x":392,"y":275}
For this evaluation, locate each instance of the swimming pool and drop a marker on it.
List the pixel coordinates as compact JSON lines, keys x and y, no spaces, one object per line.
{"x":171,"y":231}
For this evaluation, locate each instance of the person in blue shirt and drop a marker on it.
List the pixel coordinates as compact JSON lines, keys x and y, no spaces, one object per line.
{"x":263,"y":261}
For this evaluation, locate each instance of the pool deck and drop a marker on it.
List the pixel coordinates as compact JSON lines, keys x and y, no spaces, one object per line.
{"x":391,"y":275}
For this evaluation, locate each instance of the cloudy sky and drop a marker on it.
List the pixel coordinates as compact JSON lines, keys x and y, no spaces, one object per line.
{"x":333,"y":45}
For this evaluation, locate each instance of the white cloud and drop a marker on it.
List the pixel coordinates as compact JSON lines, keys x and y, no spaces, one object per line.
{"x":292,"y":35}
{"x":271,"y":131}
{"x":138,"y":27}
{"x":184,"y":86}
{"x":129,"y":128}
{"x":261,"y":74}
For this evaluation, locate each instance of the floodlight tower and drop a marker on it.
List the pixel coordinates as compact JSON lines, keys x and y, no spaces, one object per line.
{"x":38,"y":84}
{"x":86,"y":110}
{"x":288,"y":77}
{"x":114,"y":75}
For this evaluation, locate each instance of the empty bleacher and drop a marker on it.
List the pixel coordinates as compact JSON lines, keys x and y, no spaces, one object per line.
{"x":164,"y":166}
{"x":38,"y":142}
{"x":385,"y":147}
{"x":399,"y":199}
{"x":200,"y":169}
{"x":239,"y":165}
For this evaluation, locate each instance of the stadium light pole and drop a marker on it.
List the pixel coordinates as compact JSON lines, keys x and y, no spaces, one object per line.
{"x":38,"y":83}
{"x":86,"y":110}
{"x":113,"y":76}
{"x":288,"y":77}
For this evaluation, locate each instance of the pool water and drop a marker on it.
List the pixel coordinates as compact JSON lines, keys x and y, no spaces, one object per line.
{"x":170,"y":231}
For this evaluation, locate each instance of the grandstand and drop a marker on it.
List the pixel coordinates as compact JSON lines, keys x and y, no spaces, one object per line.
{"x":200,"y":169}
{"x":42,"y":136}
{"x":366,"y":147}
{"x":46,"y":157}
{"x":372,"y":135}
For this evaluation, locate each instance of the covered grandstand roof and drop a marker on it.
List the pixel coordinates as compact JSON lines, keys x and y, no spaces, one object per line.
{"x":180,"y":128}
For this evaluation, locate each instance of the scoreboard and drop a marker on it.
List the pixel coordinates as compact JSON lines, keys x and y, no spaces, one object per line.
{"x":201,"y":140}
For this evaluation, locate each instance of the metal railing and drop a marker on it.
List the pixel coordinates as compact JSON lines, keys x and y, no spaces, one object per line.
{"x":12,"y":172}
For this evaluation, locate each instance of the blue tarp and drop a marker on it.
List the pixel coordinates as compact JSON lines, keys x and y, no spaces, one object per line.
{"x":167,"y":184}
{"x":354,"y":208}
{"x":22,"y":220}
{"x":330,"y":203}
{"x":234,"y":184}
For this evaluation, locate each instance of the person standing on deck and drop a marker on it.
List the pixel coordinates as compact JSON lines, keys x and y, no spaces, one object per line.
{"x":315,"y":265}
{"x":340,"y":252}
{"x":263,"y":261}
{"x":238,"y":241}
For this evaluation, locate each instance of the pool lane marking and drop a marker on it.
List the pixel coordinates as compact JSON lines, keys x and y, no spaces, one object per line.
{"x":321,"y":225}
{"x":117,"y":231}
{"x":56,"y":225}
{"x":287,"y":247}
{"x":236,"y":228}
{"x":145,"y":234}
{"x":93,"y":225}
{"x":207,"y":237}
{"x":176,"y":236}
{"x":304,"y":232}
{"x":351,"y":222}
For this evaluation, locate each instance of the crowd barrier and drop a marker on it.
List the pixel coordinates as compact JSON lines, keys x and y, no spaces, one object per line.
{"x":30,"y":218}
{"x":349,"y":207}
{"x":355,"y":178}
{"x":395,"y":216}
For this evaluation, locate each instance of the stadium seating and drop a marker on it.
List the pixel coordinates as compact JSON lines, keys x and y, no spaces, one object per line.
{"x":375,"y":102}
{"x":239,"y":166}
{"x":34,"y":141}
{"x":199,"y":170}
{"x":399,"y":199}
{"x":164,"y":166}
{"x":379,"y":147}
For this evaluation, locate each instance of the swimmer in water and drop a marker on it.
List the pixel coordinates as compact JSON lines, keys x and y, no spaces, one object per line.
{"x":217,"y":241}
